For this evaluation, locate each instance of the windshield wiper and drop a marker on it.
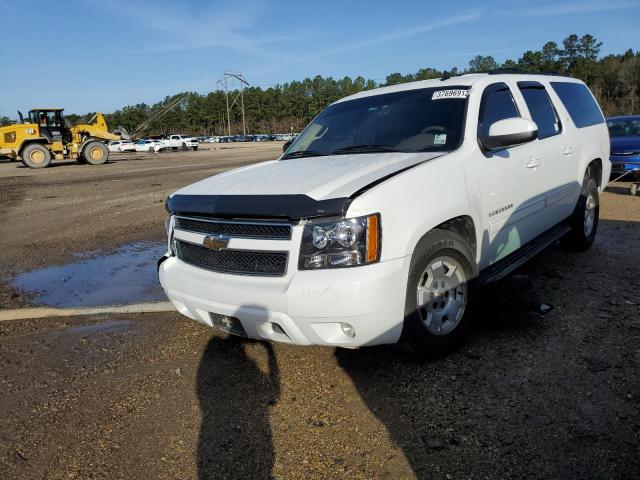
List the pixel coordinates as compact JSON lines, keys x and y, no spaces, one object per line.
{"x":363,"y":149}
{"x":302,"y":154}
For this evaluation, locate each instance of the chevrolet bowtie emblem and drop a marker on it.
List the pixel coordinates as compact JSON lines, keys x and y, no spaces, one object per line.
{"x":216,"y":242}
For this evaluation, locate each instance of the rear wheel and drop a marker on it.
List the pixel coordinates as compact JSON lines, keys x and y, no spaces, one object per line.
{"x":440,"y":293}
{"x":634,"y":189}
{"x":584,"y":220}
{"x":95,"y":153}
{"x":36,"y":156}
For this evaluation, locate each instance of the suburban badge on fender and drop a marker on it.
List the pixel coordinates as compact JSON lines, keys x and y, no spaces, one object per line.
{"x":216,"y":242}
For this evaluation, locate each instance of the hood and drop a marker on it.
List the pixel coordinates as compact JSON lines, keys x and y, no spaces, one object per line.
{"x":625,"y":144}
{"x":317,"y":177}
{"x":295,"y":188}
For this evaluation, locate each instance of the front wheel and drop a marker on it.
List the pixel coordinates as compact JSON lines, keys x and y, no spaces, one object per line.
{"x":585,"y":217}
{"x":184,"y":146}
{"x":195,"y":148}
{"x":634,"y":189}
{"x":440,"y":293}
{"x":95,"y":153}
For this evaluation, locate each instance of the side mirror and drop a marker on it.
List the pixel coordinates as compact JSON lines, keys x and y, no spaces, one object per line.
{"x":509,"y":132}
{"x":286,"y":145}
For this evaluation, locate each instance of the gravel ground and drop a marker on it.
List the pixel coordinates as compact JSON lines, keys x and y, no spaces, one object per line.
{"x":530,"y":395}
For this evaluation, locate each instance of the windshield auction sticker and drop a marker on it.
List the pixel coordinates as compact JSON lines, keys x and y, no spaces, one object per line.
{"x":442,"y":94}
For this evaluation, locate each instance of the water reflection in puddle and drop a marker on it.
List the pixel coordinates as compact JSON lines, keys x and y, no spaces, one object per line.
{"x":128,"y":275}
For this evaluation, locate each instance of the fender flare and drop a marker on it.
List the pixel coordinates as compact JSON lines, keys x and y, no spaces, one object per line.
{"x":27,"y":141}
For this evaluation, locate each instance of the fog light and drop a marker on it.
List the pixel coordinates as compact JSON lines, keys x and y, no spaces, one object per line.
{"x":277,"y":328}
{"x":348,"y":330}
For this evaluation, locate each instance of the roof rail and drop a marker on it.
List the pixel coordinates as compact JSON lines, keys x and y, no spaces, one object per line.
{"x":517,"y":71}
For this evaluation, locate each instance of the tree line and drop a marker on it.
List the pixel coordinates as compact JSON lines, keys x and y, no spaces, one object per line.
{"x":614,"y":80}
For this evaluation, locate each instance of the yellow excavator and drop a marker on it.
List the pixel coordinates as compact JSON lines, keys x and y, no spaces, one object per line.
{"x":45,"y":135}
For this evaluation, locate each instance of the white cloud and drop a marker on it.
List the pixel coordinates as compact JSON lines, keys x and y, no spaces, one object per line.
{"x":573,"y":8}
{"x":395,"y":35}
{"x":5,"y":6}
{"x":189,"y":28}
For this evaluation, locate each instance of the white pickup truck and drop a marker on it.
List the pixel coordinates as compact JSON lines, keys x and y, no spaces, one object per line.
{"x":180,"y":141}
{"x":380,"y":221}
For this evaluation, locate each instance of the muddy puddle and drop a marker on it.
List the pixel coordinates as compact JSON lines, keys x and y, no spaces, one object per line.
{"x":127,"y":275}
{"x":108,"y":326}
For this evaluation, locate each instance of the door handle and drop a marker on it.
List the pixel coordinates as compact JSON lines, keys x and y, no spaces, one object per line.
{"x":532,"y":163}
{"x":567,"y":150}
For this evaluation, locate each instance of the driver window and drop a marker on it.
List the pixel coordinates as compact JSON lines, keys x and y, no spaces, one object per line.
{"x":497,"y":104}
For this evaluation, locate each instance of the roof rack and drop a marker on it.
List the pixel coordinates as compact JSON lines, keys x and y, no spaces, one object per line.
{"x":517,"y":71}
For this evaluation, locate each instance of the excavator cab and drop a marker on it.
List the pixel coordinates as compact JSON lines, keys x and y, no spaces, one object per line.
{"x":51,"y":124}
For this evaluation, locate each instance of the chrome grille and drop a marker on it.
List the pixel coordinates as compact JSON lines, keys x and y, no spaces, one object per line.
{"x":261,"y":230}
{"x":245,"y":262}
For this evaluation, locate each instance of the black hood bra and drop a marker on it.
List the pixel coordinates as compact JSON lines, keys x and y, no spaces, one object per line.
{"x":286,"y":207}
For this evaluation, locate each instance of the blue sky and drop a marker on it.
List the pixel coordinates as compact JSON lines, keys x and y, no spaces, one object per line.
{"x":88,"y":55}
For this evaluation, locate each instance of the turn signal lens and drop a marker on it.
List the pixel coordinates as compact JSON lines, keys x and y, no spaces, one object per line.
{"x":373,"y":238}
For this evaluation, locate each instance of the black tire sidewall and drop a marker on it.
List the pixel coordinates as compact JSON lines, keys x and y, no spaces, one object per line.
{"x":87,"y":157}
{"x":27,"y":152}
{"x":576,"y":239}
{"x":434,"y":244}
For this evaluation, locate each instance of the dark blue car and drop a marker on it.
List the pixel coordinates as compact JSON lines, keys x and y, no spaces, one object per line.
{"x":625,"y":144}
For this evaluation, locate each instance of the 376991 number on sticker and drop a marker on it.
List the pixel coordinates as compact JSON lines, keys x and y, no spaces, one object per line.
{"x":457,"y":93}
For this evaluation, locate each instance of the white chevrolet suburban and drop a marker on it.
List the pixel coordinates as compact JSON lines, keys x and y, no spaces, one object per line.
{"x":379,"y":222}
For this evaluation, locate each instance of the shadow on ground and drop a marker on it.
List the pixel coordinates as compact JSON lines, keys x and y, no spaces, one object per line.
{"x":235,"y":396}
{"x":530,"y":395}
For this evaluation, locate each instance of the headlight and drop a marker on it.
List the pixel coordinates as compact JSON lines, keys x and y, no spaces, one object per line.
{"x":343,"y":243}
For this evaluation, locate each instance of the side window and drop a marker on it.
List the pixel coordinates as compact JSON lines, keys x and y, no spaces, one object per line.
{"x":541,"y":108}
{"x":497,"y":104}
{"x":579,"y":102}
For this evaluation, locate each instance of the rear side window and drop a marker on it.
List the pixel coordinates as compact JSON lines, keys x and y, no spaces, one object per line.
{"x":541,"y":108}
{"x":497,"y":104}
{"x":579,"y":102}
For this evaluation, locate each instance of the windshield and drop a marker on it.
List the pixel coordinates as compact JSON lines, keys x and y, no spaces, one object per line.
{"x":428,"y":119}
{"x":624,"y":127}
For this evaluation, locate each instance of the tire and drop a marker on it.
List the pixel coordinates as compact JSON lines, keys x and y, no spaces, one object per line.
{"x":184,"y":146}
{"x":36,"y":156}
{"x":442,"y":283}
{"x":195,"y":149}
{"x":95,"y":153}
{"x":584,"y":220}
{"x":150,"y":150}
{"x":634,"y":189}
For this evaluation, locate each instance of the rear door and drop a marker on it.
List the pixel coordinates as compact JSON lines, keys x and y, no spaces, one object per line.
{"x":555,"y":150}
{"x":510,"y":181}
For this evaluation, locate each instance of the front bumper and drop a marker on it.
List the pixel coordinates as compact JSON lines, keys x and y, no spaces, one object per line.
{"x":308,"y":307}
{"x":625,"y":164}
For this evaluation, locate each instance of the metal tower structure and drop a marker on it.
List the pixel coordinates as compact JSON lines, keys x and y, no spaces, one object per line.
{"x":228,"y":81}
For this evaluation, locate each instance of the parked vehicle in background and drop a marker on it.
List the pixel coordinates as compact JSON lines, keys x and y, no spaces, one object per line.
{"x":389,"y":211}
{"x":624,"y":132}
{"x":148,"y":145}
{"x":183,"y":142}
{"x":121,"y":146}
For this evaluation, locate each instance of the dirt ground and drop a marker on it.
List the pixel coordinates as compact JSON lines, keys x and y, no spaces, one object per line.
{"x":157,"y":396}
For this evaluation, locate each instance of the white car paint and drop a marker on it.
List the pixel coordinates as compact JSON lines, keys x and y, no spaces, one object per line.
{"x":148,"y":145}
{"x":511,"y":196}
{"x":180,"y":141}
{"x":121,"y":146}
